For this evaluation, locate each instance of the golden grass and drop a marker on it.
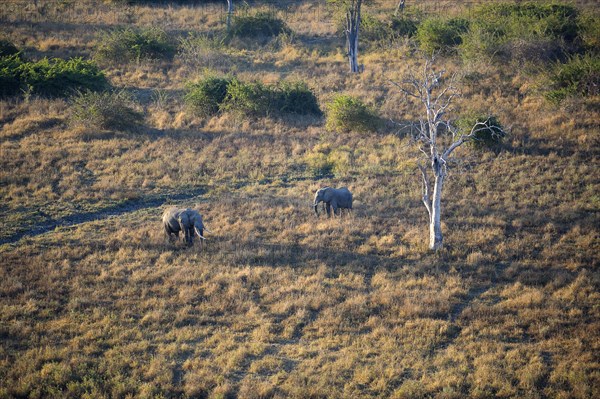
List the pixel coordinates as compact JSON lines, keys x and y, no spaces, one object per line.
{"x":279,"y":303}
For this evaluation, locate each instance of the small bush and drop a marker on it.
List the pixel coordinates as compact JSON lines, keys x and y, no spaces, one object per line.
{"x":521,"y":32}
{"x":295,"y":98}
{"x":260,"y":24}
{"x":489,"y":138}
{"x":206,"y":96}
{"x":257,"y":99}
{"x":588,"y":26}
{"x":111,"y":110}
{"x":127,"y":45}
{"x":404,"y":25}
{"x":346,"y":113}
{"x":436,"y":34}
{"x":49,"y":77}
{"x":10,"y":81}
{"x":7,"y":48}
{"x":579,"y":76}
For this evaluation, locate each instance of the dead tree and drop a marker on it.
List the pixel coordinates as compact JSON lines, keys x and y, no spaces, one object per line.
{"x":352,"y":29}
{"x":229,"y":13}
{"x":436,"y":137}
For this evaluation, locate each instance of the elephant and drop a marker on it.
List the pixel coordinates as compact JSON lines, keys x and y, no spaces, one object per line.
{"x":187,"y":220}
{"x":336,"y":198}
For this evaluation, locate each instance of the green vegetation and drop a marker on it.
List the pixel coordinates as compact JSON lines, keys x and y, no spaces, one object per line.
{"x":206,"y":96}
{"x":257,"y":25}
{"x":437,"y":34}
{"x":488,"y":137}
{"x":347,"y":113}
{"x":213,"y":94}
{"x":49,"y":77}
{"x":108,"y":110}
{"x":134,"y":45}
{"x":7,"y":48}
{"x":580,"y":76}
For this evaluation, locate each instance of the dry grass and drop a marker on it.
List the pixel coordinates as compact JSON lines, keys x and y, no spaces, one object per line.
{"x":281,"y":304}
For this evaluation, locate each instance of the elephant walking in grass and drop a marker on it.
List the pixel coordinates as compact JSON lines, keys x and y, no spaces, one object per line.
{"x":187,"y":220}
{"x":336,"y":198}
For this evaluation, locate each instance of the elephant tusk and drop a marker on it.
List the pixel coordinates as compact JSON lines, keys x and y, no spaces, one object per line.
{"x":201,"y":237}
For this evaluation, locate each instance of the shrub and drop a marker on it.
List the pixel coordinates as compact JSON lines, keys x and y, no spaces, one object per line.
{"x":257,"y":99}
{"x":520,"y":32}
{"x":10,"y":82}
{"x":347,"y":113}
{"x":206,"y":96}
{"x":589,"y":31}
{"x":486,"y":139}
{"x":126,"y":45}
{"x":113,"y":110}
{"x":7,"y":48}
{"x":579,"y":76}
{"x":404,"y":25}
{"x":260,"y":24}
{"x":50,"y":77}
{"x":295,"y":98}
{"x":436,"y":34}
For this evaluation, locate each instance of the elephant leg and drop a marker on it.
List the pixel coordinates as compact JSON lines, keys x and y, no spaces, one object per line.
{"x":328,"y":209}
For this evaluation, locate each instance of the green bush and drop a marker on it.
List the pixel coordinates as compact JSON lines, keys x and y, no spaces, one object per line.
{"x":346,"y":113}
{"x":486,"y":138}
{"x":588,"y":26}
{"x":10,"y":81}
{"x":49,"y":77}
{"x":206,"y":96}
{"x":112,"y":110}
{"x":579,"y":76}
{"x":404,"y":25}
{"x":295,"y":98}
{"x":7,"y":48}
{"x":257,"y":99}
{"x":521,"y":32}
{"x":127,"y":45}
{"x":436,"y":34}
{"x":260,"y":24}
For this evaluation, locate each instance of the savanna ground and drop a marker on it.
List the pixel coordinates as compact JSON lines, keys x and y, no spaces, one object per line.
{"x":280,"y":303}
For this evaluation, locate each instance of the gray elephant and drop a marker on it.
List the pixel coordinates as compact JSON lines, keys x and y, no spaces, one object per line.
{"x":187,"y":220}
{"x":336,"y":198}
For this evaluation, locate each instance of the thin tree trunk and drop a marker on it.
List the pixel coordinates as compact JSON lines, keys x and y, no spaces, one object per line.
{"x":352,"y":27}
{"x":229,"y":13}
{"x":435,"y":226}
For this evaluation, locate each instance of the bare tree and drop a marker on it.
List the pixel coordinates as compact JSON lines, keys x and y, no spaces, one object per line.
{"x":352,"y":28}
{"x":229,"y":13}
{"x":436,"y":136}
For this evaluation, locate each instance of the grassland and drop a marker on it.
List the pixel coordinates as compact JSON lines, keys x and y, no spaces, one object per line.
{"x":280,"y":304}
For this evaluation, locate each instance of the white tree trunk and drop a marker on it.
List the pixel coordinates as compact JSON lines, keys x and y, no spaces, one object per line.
{"x":352,"y":28}
{"x":435,"y":225}
{"x":229,"y":13}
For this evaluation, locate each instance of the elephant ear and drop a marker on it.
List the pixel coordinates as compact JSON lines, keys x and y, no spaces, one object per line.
{"x":327,"y":194}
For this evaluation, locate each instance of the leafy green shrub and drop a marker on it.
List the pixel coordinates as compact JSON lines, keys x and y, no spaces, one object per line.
{"x":520,"y":32}
{"x":436,"y":34}
{"x":126,"y":45}
{"x":112,"y":110}
{"x":588,"y":25}
{"x":404,"y":25}
{"x":347,"y":113}
{"x":7,"y":48}
{"x":579,"y":76}
{"x":10,"y":81}
{"x":206,"y":96}
{"x":260,"y":24}
{"x":50,"y":77}
{"x":257,"y":99}
{"x":295,"y":98}
{"x":486,"y":138}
